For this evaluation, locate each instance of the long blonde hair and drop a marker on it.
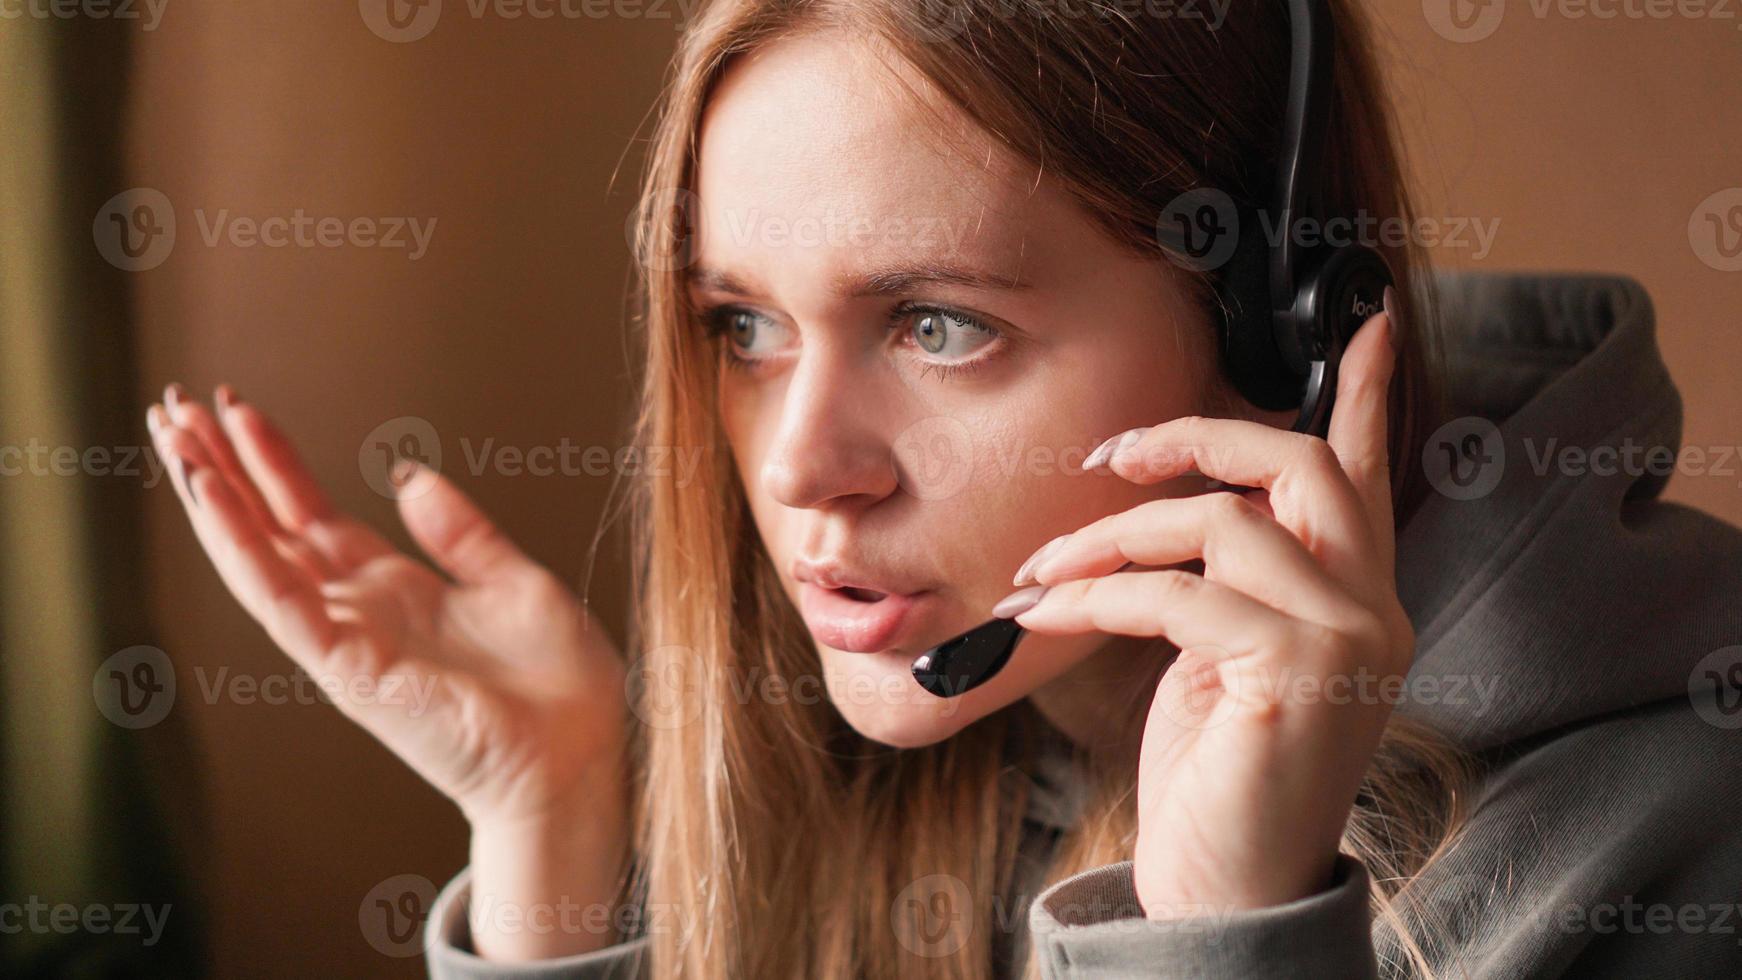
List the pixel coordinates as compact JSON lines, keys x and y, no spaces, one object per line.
{"x":772,"y":839}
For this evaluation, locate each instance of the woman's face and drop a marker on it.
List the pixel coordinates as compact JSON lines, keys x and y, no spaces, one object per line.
{"x":922,"y":343}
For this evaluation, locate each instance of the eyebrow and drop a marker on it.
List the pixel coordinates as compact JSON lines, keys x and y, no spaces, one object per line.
{"x":879,"y":282}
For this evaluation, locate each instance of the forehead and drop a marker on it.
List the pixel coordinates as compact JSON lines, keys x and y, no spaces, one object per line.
{"x":824,"y":140}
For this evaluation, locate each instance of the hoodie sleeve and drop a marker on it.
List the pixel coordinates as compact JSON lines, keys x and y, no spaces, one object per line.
{"x":1091,"y":926}
{"x":448,"y":947}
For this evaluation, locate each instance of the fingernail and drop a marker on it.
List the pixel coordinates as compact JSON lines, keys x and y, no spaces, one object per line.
{"x":1100,"y":453}
{"x":402,"y":472}
{"x":1391,"y":307}
{"x":1107,"y":450}
{"x":225,"y":398}
{"x":1024,"y":575}
{"x":155,"y":419}
{"x":173,"y":393}
{"x":1019,"y":602}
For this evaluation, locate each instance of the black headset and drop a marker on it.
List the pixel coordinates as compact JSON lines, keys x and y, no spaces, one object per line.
{"x":1289,"y":312}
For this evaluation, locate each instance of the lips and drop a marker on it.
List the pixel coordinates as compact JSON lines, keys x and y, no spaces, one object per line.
{"x":856,"y":619}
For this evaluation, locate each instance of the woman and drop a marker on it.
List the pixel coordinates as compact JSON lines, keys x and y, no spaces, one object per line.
{"x":901,"y":276}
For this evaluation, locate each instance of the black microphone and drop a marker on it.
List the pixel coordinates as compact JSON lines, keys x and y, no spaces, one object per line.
{"x":958,"y":665}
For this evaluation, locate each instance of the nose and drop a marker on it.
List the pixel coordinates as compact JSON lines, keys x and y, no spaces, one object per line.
{"x":831,"y":449}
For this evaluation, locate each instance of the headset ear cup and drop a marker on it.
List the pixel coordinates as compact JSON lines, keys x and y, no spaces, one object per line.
{"x":1250,"y":353}
{"x":1337,"y":295}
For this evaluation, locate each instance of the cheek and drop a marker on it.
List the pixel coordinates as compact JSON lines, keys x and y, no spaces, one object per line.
{"x":748,"y":423}
{"x":1029,"y":485}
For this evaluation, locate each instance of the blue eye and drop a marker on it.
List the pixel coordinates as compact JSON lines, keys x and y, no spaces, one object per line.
{"x":750,"y":333}
{"x":951,"y":335}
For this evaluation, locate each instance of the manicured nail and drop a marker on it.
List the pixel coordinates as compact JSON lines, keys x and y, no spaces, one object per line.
{"x":155,"y":420}
{"x":1107,"y":450}
{"x":1391,"y":308}
{"x":1100,"y":453}
{"x":1025,"y":574}
{"x":402,"y":472}
{"x":1019,"y":602}
{"x":173,"y":395}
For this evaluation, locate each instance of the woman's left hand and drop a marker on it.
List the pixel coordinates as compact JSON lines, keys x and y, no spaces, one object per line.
{"x":1293,"y":642}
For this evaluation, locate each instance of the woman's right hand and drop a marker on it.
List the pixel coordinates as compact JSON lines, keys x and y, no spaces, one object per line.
{"x":496,"y":686}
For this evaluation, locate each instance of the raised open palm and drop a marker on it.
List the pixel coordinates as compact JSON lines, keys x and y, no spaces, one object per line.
{"x":495,"y":686}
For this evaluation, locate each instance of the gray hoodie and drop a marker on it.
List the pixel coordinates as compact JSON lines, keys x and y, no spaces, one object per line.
{"x":1581,"y":638}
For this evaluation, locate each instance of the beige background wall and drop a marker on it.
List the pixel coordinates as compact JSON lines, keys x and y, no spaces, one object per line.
{"x":1590,"y":141}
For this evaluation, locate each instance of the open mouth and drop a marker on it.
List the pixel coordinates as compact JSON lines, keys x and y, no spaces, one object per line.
{"x":854,"y":618}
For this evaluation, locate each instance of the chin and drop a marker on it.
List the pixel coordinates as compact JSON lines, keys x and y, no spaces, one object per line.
{"x":903,"y":727}
{"x":878,"y":697}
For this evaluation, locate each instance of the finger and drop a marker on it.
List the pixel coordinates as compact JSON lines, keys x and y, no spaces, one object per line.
{"x":193,"y":416}
{"x":270,"y":458}
{"x":276,"y":593}
{"x":1308,"y":491}
{"x":175,"y":442}
{"x":1189,"y":610}
{"x":1241,"y":545}
{"x":1360,"y":422}
{"x":292,"y":494}
{"x":451,"y":529}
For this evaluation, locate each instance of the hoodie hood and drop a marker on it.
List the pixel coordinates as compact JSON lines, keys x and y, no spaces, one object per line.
{"x":1547,"y":582}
